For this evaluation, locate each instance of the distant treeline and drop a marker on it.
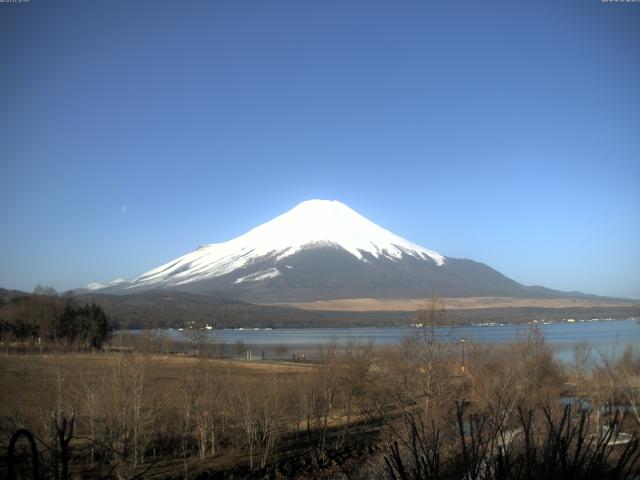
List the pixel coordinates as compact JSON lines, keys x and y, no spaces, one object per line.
{"x":168,"y":309}
{"x":173,"y":309}
{"x":47,"y":317}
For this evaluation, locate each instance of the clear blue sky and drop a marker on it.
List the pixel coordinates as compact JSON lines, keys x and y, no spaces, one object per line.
{"x":506,"y":132}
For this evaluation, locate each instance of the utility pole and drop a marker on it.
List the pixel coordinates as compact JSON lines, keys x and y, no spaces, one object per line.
{"x":462,"y":342}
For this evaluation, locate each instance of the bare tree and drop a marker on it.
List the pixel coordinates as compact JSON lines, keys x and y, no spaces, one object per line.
{"x":219,"y":342}
{"x":128,"y":413}
{"x":355,"y":375}
{"x":89,"y":396}
{"x":203,"y":400}
{"x":619,"y":376}
{"x":429,"y":346}
{"x":524,"y":372}
{"x":196,"y":335}
{"x":246,"y":415}
{"x":269,"y":416}
{"x":239,"y":348}
{"x":281,"y":350}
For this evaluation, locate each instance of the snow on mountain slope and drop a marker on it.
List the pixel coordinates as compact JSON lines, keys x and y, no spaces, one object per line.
{"x":263,"y":275}
{"x":112,"y":283}
{"x":313,"y":223}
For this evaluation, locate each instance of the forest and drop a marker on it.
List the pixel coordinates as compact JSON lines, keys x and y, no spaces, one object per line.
{"x":48,"y":319}
{"x":173,"y":309}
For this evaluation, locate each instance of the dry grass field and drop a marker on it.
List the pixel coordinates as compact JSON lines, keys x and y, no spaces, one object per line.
{"x":30,"y":377}
{"x":413,"y":304}
{"x":145,"y":415}
{"x":37,"y":389}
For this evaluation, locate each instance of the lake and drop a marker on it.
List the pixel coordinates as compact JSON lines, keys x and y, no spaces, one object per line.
{"x":603,"y":335}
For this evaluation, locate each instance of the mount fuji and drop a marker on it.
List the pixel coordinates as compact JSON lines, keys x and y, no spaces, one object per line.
{"x":322,"y":250}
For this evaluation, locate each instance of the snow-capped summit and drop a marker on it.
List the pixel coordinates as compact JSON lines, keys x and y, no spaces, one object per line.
{"x":322,"y":222}
{"x":332,"y":223}
{"x":319,"y":249}
{"x":310,"y":224}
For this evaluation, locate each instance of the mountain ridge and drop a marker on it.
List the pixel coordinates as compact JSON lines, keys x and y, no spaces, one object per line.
{"x":322,"y":250}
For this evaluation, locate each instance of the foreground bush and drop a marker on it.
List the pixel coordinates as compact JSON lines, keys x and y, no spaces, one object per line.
{"x":533,"y":445}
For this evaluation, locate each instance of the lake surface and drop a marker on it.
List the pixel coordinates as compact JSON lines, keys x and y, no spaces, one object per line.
{"x":603,"y":335}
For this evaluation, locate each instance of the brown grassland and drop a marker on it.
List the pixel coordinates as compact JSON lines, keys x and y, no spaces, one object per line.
{"x":414,"y":304}
{"x":417,"y":410}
